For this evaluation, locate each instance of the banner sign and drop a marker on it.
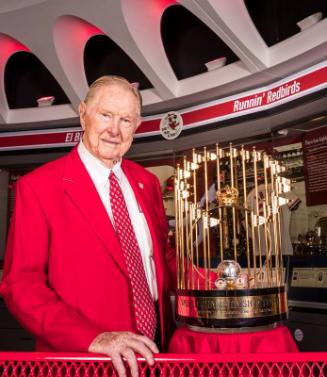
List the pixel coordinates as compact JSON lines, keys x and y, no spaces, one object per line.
{"x":289,"y":89}
{"x":40,"y":139}
{"x":315,"y":162}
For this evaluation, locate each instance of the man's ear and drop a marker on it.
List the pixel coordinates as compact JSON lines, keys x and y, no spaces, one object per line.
{"x":82,"y":113}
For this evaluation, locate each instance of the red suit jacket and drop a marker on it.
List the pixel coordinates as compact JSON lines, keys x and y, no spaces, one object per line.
{"x":65,"y":277}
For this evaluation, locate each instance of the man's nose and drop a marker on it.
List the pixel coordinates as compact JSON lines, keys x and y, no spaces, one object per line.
{"x":114,"y":126}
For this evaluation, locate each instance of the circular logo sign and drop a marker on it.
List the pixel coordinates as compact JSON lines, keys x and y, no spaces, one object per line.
{"x":171,"y":125}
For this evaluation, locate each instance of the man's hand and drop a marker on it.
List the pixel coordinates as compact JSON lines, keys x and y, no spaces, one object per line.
{"x":117,"y":345}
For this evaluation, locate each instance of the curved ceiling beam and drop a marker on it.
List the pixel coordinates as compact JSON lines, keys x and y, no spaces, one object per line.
{"x":36,"y":31}
{"x":299,"y":44}
{"x":110,"y":18}
{"x":231,"y":21}
{"x":70,"y":35}
{"x":141,"y":17}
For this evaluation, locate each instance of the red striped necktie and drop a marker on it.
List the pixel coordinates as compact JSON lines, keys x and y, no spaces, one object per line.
{"x":144,"y":309}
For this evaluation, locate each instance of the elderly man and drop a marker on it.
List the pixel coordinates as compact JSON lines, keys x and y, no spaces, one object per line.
{"x":86,"y":259}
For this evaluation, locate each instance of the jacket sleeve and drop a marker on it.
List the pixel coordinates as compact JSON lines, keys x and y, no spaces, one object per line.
{"x":25,"y":287}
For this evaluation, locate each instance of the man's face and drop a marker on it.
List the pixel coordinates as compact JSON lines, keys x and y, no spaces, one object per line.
{"x":109,"y":121}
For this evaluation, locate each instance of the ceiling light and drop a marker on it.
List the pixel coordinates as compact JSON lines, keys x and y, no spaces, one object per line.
{"x":216,"y":63}
{"x":309,"y":21}
{"x":45,"y":101}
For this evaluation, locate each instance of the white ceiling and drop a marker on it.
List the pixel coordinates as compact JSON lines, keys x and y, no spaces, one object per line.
{"x":56,"y":31}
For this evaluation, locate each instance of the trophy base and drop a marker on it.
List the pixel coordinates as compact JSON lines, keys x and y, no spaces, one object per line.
{"x":231,"y":309}
{"x":231,"y":330}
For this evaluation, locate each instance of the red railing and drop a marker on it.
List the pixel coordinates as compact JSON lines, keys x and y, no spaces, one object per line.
{"x":34,"y":364}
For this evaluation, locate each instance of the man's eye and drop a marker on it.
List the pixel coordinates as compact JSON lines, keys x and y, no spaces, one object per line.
{"x":106,"y":116}
{"x":126,"y":122}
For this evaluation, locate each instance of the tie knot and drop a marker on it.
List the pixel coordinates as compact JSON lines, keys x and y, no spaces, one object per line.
{"x":112,"y":176}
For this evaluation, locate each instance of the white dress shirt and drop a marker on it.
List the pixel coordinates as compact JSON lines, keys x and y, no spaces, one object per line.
{"x":100,"y":177}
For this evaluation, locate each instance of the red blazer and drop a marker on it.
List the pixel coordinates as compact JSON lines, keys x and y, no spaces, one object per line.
{"x":65,"y":277}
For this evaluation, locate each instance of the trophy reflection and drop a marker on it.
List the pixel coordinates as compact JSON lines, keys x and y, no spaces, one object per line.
{"x":228,"y":239}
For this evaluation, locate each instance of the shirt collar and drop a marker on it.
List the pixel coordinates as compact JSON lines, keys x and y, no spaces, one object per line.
{"x":98,"y":172}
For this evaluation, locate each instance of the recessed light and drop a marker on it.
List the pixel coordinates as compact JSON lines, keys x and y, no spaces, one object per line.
{"x":309,"y":21}
{"x":216,"y":63}
{"x":45,"y":101}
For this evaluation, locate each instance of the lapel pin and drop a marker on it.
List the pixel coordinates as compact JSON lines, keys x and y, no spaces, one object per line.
{"x":141,"y":185}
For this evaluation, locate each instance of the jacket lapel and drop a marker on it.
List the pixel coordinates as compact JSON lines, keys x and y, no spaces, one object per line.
{"x":81,"y":190}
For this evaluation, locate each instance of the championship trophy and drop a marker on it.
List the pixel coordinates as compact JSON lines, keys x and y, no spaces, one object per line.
{"x":228,"y":239}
